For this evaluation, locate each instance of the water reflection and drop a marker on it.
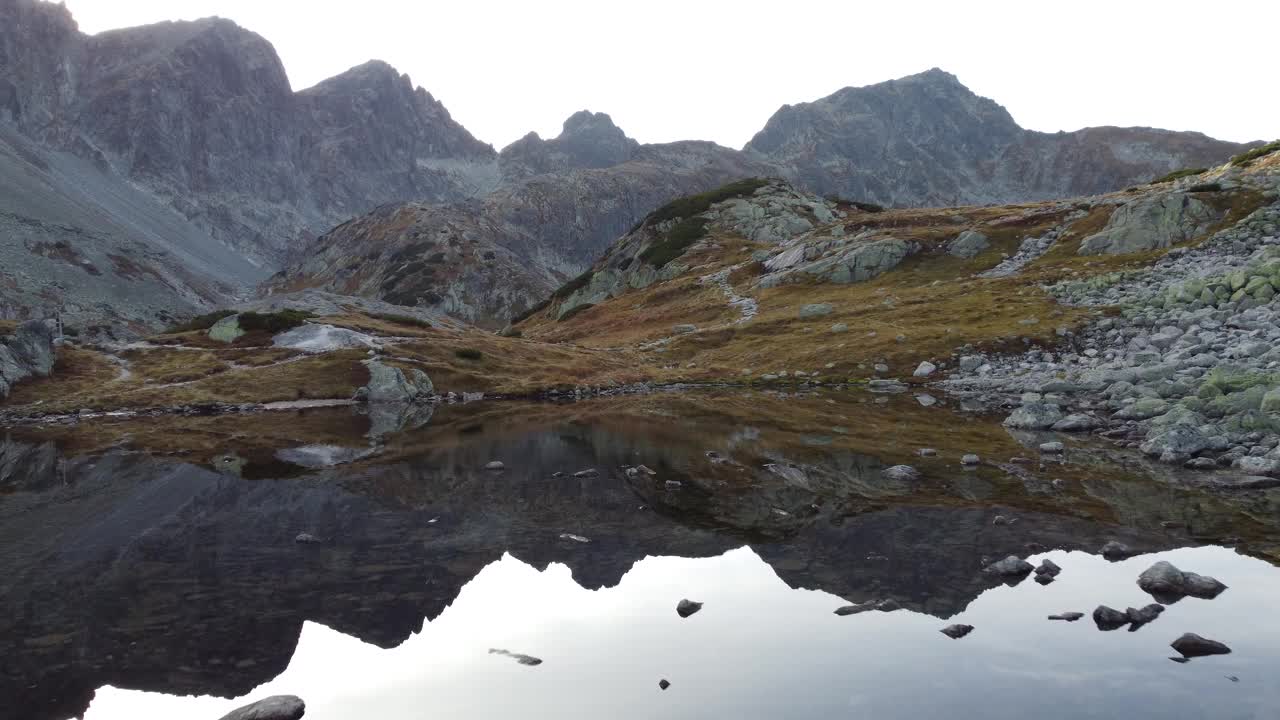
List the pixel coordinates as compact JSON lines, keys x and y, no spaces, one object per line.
{"x":166,"y":558}
{"x":760,"y":649}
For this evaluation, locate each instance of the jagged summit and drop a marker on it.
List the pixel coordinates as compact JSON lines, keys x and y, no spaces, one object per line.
{"x":926,"y":139}
{"x":587,"y":140}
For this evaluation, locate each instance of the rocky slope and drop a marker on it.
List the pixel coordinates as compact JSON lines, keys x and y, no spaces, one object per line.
{"x":928,"y":140}
{"x":486,"y":260}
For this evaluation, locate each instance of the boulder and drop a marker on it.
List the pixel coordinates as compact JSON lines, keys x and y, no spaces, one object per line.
{"x":1107,"y":618}
{"x":320,"y":338}
{"x":815,"y":310}
{"x":1141,"y":616}
{"x":1012,"y":566}
{"x":968,"y":244}
{"x":1163,"y":580}
{"x":27,"y":353}
{"x":925,"y":369}
{"x":276,"y":707}
{"x":1150,"y":223}
{"x":1191,"y":645}
{"x":226,"y":330}
{"x":1176,"y":444}
{"x":388,"y":384}
{"x":1075,"y":423}
{"x":1034,"y":416}
{"x":1048,"y":567}
{"x":1114,"y":550}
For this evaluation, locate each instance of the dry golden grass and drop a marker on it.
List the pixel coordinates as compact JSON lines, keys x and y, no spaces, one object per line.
{"x":172,"y":366}
{"x":76,"y":373}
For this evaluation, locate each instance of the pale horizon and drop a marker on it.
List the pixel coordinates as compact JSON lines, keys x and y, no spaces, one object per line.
{"x":717,"y":71}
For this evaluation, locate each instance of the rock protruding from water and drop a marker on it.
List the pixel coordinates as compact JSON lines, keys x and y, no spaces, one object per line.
{"x":27,"y":353}
{"x":388,"y":384}
{"x":1115,"y":551}
{"x":1191,"y":645}
{"x":1049,"y":568}
{"x":1067,"y":616}
{"x":1163,"y":580}
{"x":1108,"y":618}
{"x":888,"y":605}
{"x":1141,"y":616}
{"x":663,"y":684}
{"x":276,"y":707}
{"x":1012,"y":566}
{"x":518,"y":657}
{"x":957,"y":631}
{"x":687,"y":607}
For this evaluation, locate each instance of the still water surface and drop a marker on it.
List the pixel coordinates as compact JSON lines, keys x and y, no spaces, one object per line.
{"x":144,"y":580}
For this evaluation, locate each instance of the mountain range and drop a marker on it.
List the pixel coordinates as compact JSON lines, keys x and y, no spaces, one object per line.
{"x":150,"y":173}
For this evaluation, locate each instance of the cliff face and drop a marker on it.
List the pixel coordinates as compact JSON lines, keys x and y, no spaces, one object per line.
{"x":926,"y":139}
{"x":202,"y":115}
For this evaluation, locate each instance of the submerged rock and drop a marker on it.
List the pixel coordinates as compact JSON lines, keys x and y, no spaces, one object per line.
{"x":687,"y":607}
{"x":1067,"y":616}
{"x":900,"y":473}
{"x":957,"y":631}
{"x":1191,"y":645}
{"x":276,"y":707}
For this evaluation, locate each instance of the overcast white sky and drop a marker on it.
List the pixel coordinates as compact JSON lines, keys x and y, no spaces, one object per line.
{"x":717,"y":69}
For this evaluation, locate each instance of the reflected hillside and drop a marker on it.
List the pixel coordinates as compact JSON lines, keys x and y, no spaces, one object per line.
{"x":131,"y":560}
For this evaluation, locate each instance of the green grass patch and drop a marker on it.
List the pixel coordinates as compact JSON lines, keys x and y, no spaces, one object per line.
{"x":1177,"y":175}
{"x":581,"y":308}
{"x":1205,"y":187}
{"x":573,"y":285}
{"x":685,"y":233}
{"x":407,"y":320}
{"x":1246,"y":158}
{"x":537,"y":308}
{"x":275,"y":322}
{"x":200,"y":322}
{"x":700,"y":203}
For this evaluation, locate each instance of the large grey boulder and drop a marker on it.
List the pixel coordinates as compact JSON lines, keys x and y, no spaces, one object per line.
{"x":855,"y":263}
{"x":226,"y":330}
{"x":27,"y":353}
{"x":814,"y":310}
{"x":1150,"y":223}
{"x":276,"y":707}
{"x":1176,"y":444}
{"x":1192,"y":645}
{"x":320,"y":338}
{"x":1034,"y":416}
{"x":1012,"y":566}
{"x":1163,"y":580}
{"x":388,"y":384}
{"x":968,"y":244}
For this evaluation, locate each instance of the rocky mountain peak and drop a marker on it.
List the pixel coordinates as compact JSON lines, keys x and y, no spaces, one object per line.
{"x":587,"y":140}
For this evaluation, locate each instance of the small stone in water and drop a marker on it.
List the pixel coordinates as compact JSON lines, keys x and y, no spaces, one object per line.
{"x":687,"y":607}
{"x":957,"y":631}
{"x":663,"y":684}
